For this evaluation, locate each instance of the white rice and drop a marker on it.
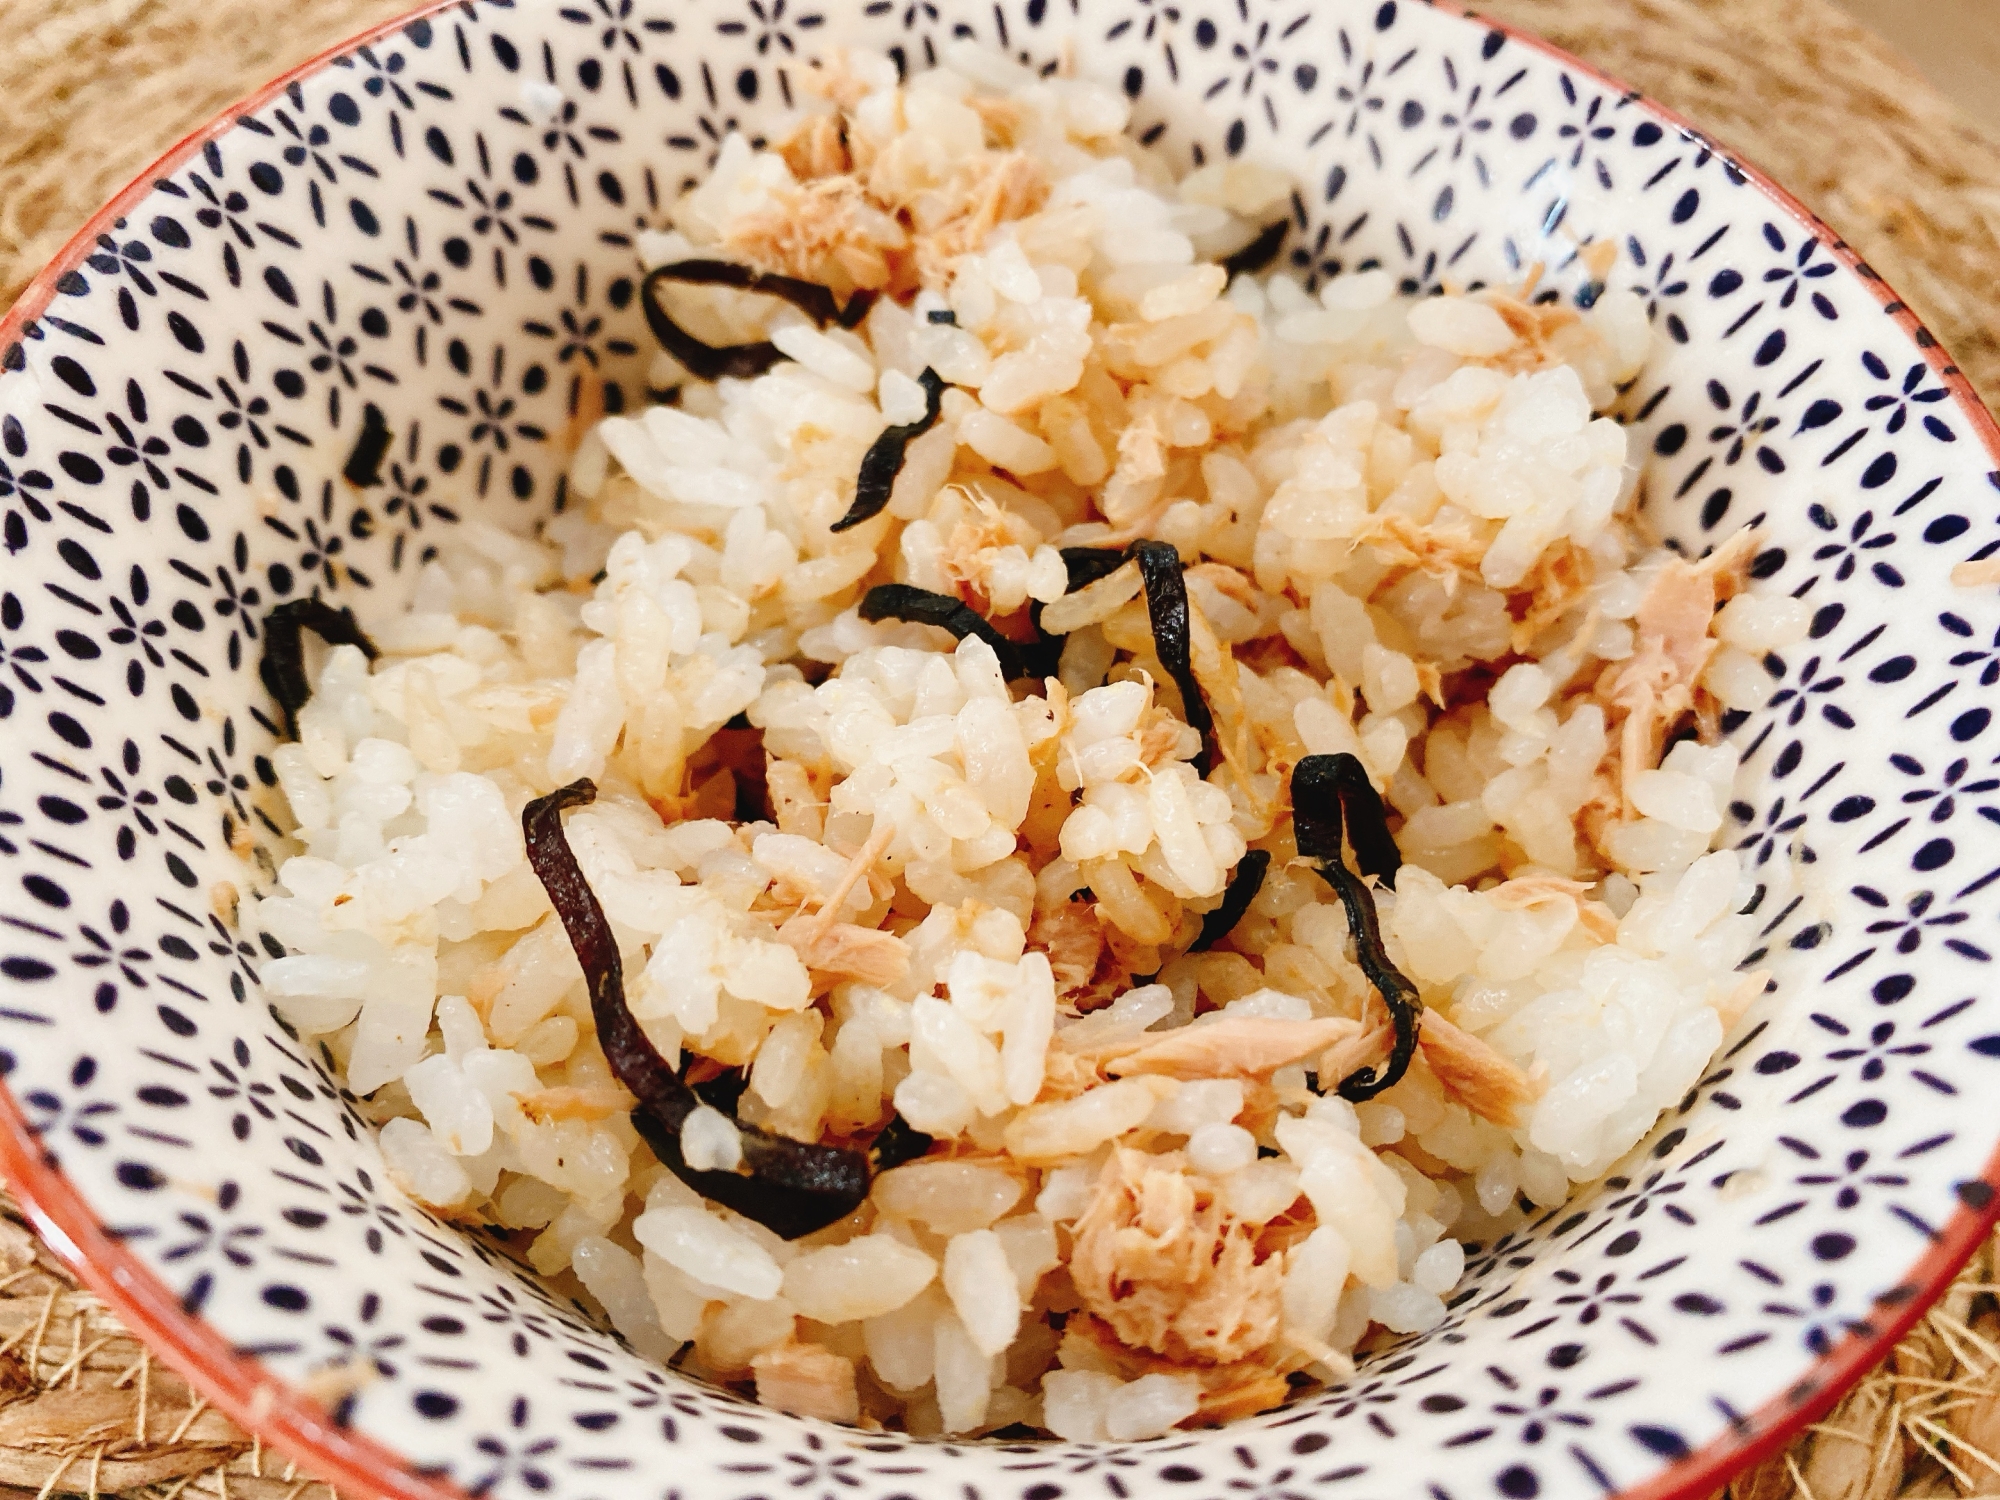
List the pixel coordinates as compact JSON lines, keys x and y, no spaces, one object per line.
{"x":1406,"y":529}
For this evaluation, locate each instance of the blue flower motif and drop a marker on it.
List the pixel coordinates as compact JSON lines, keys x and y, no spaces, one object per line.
{"x":1943,"y":791}
{"x":1809,"y":687}
{"x":1851,"y":1178}
{"x":132,"y":258}
{"x":617,"y":30}
{"x":1916,"y":918}
{"x":1469,"y":123}
{"x":1809,"y":263}
{"x":1878,"y":1049}
{"x":1583,"y":136}
{"x":16,"y":657}
{"x":1905,"y":396}
{"x":1846,"y":554}
{"x":769,"y":16}
{"x":1600,"y":1300}
{"x":1987,"y":660}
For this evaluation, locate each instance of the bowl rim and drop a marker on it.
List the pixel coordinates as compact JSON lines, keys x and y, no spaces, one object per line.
{"x":295,"y":1422}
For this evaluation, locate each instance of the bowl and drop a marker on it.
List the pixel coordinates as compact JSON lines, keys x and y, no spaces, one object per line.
{"x":437,"y":222}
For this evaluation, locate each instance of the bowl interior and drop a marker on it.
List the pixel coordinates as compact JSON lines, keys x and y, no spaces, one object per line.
{"x":435,"y":232}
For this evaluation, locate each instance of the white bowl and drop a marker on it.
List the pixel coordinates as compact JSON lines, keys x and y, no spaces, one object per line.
{"x":438,"y":221}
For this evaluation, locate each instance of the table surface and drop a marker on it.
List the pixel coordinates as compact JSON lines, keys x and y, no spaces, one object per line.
{"x":1871,"y":139}
{"x":1954,"y":44}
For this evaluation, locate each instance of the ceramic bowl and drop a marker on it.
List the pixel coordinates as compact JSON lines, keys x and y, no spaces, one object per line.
{"x":437,"y":220}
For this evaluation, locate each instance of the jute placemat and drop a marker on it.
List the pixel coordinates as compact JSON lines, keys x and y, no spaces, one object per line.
{"x":93,"y":90}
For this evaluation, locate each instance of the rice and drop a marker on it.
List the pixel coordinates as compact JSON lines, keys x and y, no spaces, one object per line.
{"x":851,"y":866}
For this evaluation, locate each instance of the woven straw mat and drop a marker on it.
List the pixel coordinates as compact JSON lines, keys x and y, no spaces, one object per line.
{"x":93,"y":90}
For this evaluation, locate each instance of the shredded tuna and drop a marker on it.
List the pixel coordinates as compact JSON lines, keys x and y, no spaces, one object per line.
{"x":1250,"y":1391}
{"x":1356,"y":1051}
{"x":816,"y":147}
{"x":1160,"y":1259}
{"x":1215,"y":670}
{"x":807,"y":1381}
{"x":844,"y":950}
{"x":796,"y":803}
{"x":1525,"y":892}
{"x":1448,"y":555}
{"x":1645,"y":695}
{"x":1252,"y":1047}
{"x":825,"y":231}
{"x":1561,"y":580}
{"x":1473,"y":1073}
{"x":1074,"y":942}
{"x":955,"y":219}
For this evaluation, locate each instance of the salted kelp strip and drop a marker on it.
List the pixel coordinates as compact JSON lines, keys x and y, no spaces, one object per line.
{"x":1167,"y":608}
{"x":1332,"y":795}
{"x":884,"y":459}
{"x":788,"y":1186}
{"x":1243,"y":888}
{"x":904,"y":601}
{"x":897,"y":1142}
{"x":809,"y":297}
{"x":738,"y":361}
{"x":1327,"y":792}
{"x":1259,"y":253}
{"x":1165,"y":583}
{"x":1085,"y":565}
{"x":283,"y":665}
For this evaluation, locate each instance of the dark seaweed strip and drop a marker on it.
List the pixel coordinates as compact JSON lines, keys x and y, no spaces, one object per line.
{"x":791,"y":1187}
{"x":742,"y":361}
{"x":903,"y":601}
{"x":703,"y":361}
{"x":942,"y":315}
{"x":364,"y":460}
{"x":1321,"y":788}
{"x":1085,"y":565}
{"x":899,"y":1141}
{"x":1167,"y":607}
{"x":809,"y":297}
{"x":1243,"y":888}
{"x":884,"y":459}
{"x":1260,"y":252}
{"x":1340,"y":783}
{"x":283,"y":666}
{"x":856,"y":309}
{"x":723,"y":1090}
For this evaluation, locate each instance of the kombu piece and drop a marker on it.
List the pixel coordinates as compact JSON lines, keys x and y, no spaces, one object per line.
{"x":1332,"y":794}
{"x":1167,"y":608}
{"x":1085,"y":565}
{"x":790,"y":1187}
{"x":283,"y":665}
{"x":740,"y":361}
{"x":1260,"y":252}
{"x":1243,"y":888}
{"x":898,"y":1142}
{"x":884,"y":459}
{"x":904,"y":601}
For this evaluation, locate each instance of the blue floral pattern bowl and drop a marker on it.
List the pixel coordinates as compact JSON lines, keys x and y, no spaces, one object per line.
{"x":438,"y":221}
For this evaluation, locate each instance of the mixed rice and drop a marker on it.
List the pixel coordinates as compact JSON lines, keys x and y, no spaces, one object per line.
{"x":963,"y":883}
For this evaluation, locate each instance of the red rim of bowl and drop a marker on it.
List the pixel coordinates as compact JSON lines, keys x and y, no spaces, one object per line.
{"x":295,"y":1421}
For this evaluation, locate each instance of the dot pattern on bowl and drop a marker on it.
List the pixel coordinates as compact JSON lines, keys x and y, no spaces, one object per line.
{"x":434,"y":232}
